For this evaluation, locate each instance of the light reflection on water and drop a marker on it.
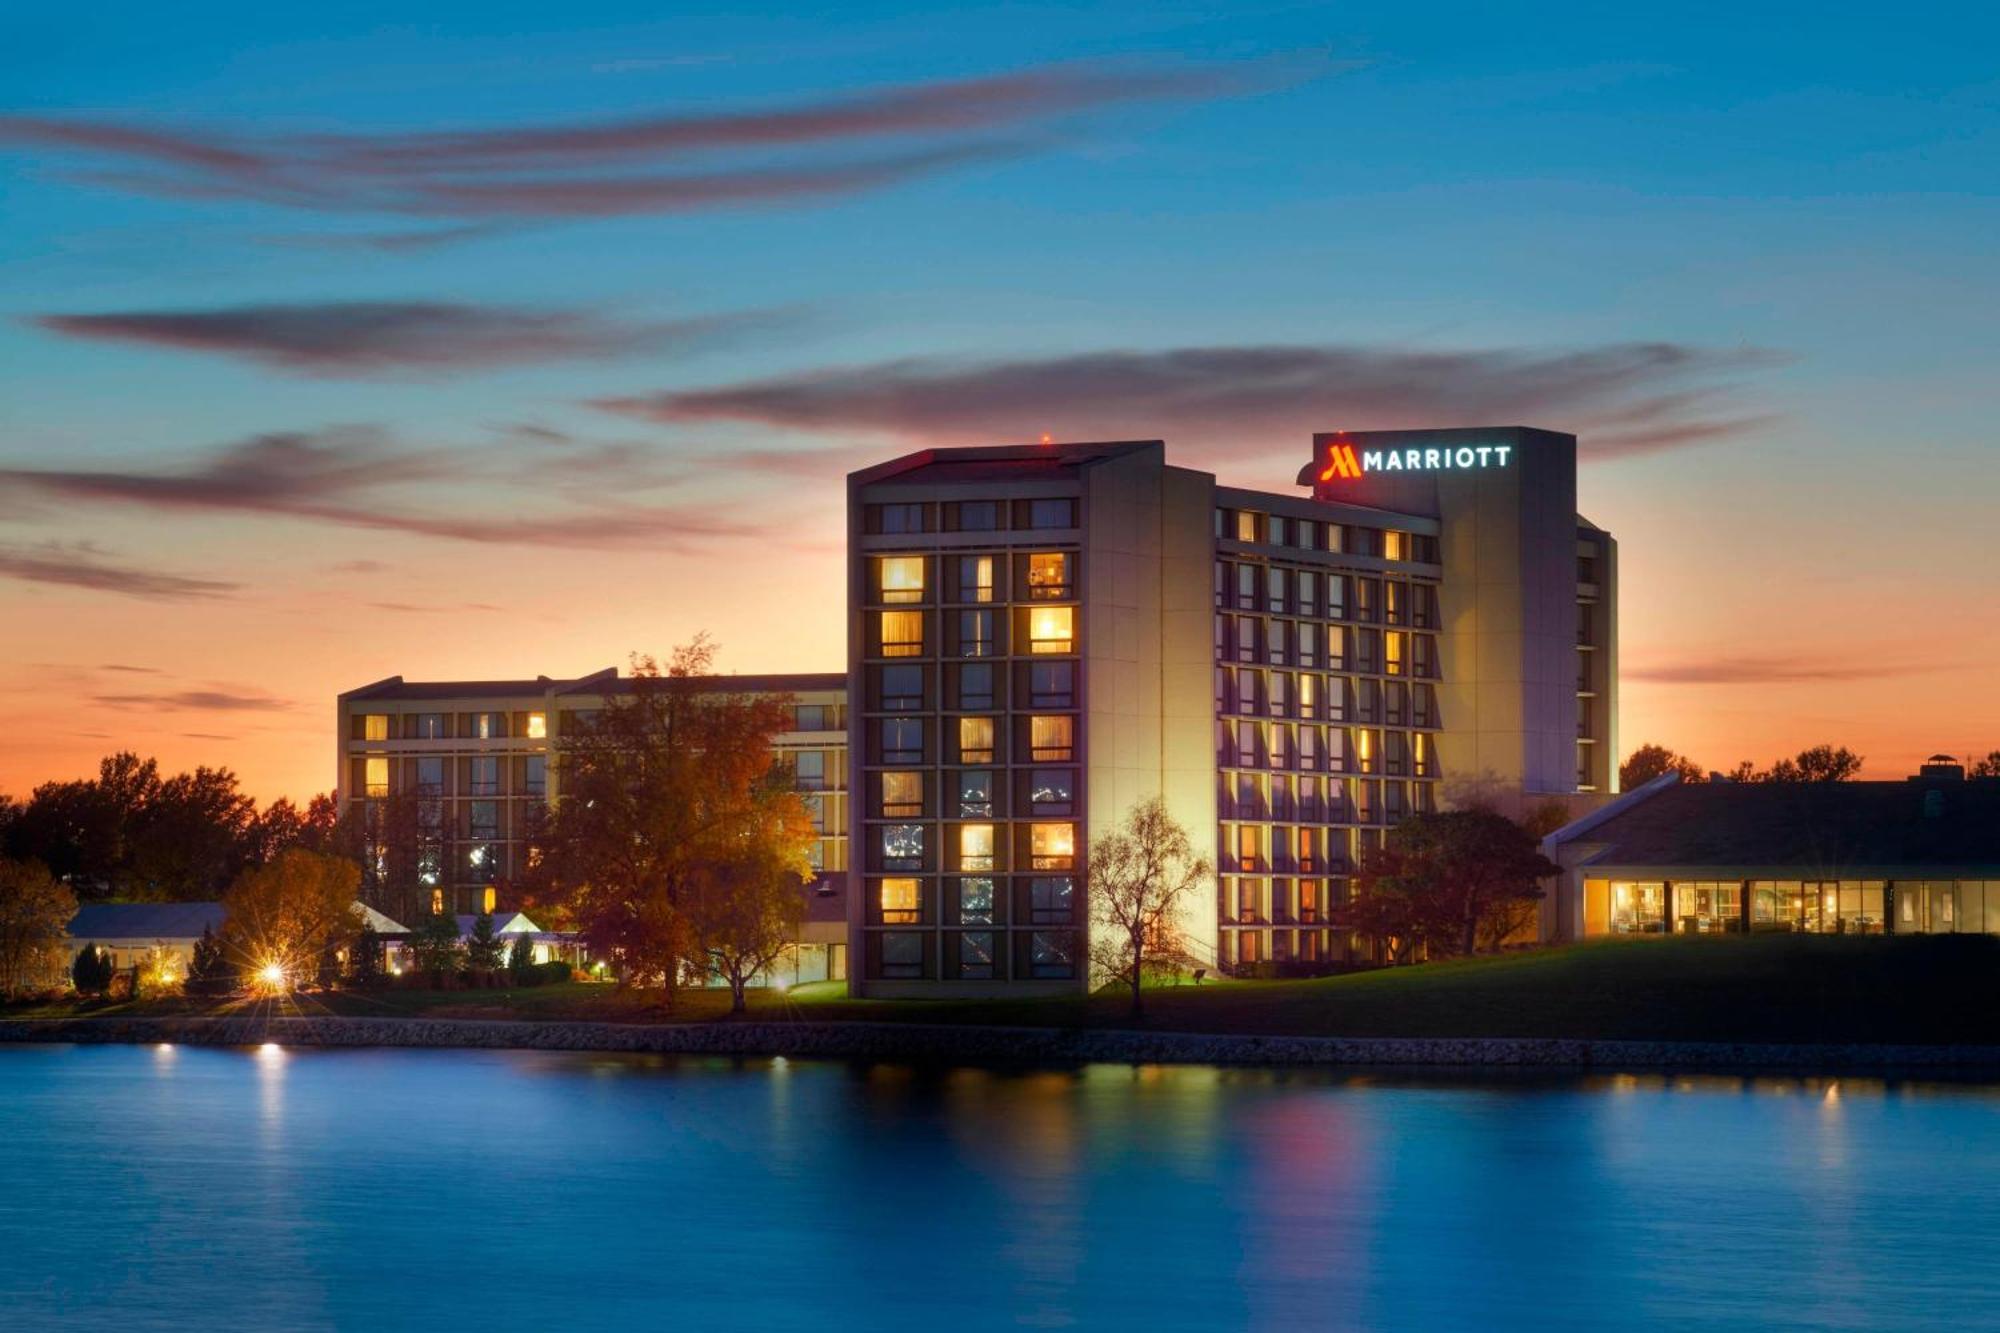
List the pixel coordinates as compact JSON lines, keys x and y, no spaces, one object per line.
{"x":144,"y":1187}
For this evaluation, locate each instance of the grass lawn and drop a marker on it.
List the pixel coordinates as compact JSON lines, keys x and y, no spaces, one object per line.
{"x":1922,"y":989}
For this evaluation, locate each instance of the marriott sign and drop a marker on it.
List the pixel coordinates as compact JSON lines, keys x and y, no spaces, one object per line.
{"x":1342,"y":461}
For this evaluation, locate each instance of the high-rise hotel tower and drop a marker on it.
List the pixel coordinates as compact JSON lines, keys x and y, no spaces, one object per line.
{"x":1041,"y":636}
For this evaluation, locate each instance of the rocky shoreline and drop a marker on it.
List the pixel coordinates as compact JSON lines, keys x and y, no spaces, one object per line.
{"x":929,"y":1043}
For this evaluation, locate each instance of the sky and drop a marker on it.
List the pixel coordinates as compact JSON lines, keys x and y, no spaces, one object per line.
{"x":336,"y":345}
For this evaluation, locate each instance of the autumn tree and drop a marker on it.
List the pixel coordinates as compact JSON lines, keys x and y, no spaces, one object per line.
{"x":35,"y":911}
{"x":287,"y":913}
{"x":1649,"y":761}
{"x":1438,"y":878}
{"x":660,"y":792}
{"x":1138,"y":876}
{"x":745,"y":910}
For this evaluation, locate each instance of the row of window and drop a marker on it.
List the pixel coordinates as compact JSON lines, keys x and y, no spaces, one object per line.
{"x":1038,"y":629}
{"x":1254,"y":692}
{"x":1848,"y":906}
{"x":973,"y":900}
{"x":1050,"y":845}
{"x":1042,"y":738}
{"x":972,"y":793}
{"x":1303,"y":643}
{"x":1281,"y":798}
{"x":1293,"y":591}
{"x":479,"y":775}
{"x":1306,"y":748}
{"x":1046,"y":515}
{"x":1254,"y":901}
{"x":447,"y":726}
{"x":1311,"y":534}
{"x":1041,"y":576}
{"x":972,"y":955}
{"x":904,"y":687}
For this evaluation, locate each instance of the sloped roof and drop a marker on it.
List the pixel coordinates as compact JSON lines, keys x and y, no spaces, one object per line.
{"x":144,"y":921}
{"x":504,"y":923}
{"x":1816,"y":827}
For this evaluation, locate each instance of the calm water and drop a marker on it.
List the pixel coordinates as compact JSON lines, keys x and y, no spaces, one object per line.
{"x":189,"y":1188}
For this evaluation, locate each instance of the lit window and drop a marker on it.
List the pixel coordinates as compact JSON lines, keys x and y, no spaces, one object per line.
{"x":377,"y":777}
{"x":899,"y":902}
{"x":1048,"y":576}
{"x":975,"y":578}
{"x":1052,"y":846}
{"x":375,"y":727}
{"x":488,"y":899}
{"x":437,"y":902}
{"x":902,"y":633}
{"x":491,"y":726}
{"x":975,"y":847}
{"x":902,"y":578}
{"x":1051,"y":738}
{"x":1051,"y":629}
{"x":903,"y":846}
{"x":1246,"y":526}
{"x":1392,"y":652}
{"x":902,"y":794}
{"x":975,"y":740}
{"x":538,"y":726}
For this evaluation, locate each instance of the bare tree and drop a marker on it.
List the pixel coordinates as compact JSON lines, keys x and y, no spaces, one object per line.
{"x":1138,"y":876}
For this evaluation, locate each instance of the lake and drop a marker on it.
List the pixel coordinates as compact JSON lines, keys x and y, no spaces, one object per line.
{"x":185,"y":1188}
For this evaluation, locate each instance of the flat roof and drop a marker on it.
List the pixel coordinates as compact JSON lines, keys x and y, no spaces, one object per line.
{"x":1058,"y":460}
{"x":395,"y":688}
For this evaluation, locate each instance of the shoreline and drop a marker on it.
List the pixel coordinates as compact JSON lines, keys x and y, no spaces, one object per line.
{"x":940,"y":1043}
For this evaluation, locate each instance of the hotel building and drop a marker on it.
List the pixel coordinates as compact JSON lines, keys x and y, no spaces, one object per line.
{"x":1041,"y":636}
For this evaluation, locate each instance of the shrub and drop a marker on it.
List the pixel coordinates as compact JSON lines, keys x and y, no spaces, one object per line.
{"x":209,"y":971}
{"x":521,"y":961}
{"x":555,"y":972}
{"x":92,"y":971}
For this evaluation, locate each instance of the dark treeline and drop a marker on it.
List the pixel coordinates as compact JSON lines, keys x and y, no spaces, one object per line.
{"x":133,"y":834}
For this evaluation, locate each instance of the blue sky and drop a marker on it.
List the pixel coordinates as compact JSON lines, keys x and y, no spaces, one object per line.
{"x":1805,"y":192}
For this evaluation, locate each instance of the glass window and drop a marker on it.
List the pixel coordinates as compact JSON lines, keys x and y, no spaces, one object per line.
{"x":430,"y":726}
{"x":538,"y":726}
{"x":375,"y":777}
{"x":1638,"y":908}
{"x":902,"y":954}
{"x":975,"y":740}
{"x":490,"y":726}
{"x":902,"y":688}
{"x":975,"y":847}
{"x":975,"y":685}
{"x":537,"y":782}
{"x":903,"y":846}
{"x":975,"y":794}
{"x":975,"y":634}
{"x":902,"y":633}
{"x":1049,"y":954}
{"x":1052,"y":846}
{"x":1051,"y":629}
{"x":486,"y":775}
{"x":809,"y":770}
{"x":1051,"y":738}
{"x":899,"y":902}
{"x":1048,"y":576}
{"x":902,"y":794}
{"x":902,"y":578}
{"x":975,"y":578}
{"x":1052,"y":684}
{"x":975,"y":955}
{"x":375,"y":727}
{"x":485,"y":819}
{"x":975,"y":900}
{"x":900,"y":518}
{"x":1052,"y":791}
{"x":1051,"y":513}
{"x":902,"y":740}
{"x":819,"y":717}
{"x":978,"y":515}
{"x":430,"y":775}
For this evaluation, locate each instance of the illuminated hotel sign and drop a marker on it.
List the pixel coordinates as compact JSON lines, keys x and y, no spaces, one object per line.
{"x":1343,"y":461}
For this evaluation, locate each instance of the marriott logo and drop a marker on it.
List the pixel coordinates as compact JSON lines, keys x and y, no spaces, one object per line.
{"x":1343,"y":462}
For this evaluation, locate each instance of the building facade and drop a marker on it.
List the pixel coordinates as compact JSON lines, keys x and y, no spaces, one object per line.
{"x":1041,"y":636}
{"x":450,"y":777}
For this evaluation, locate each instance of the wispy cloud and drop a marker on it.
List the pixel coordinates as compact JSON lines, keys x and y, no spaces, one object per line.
{"x":345,"y":476}
{"x":414,"y":608}
{"x":86,"y":565}
{"x":199,"y":701}
{"x":395,"y":338}
{"x":133,"y":670}
{"x":1774,"y":670}
{"x":1624,"y":398}
{"x":829,"y":145}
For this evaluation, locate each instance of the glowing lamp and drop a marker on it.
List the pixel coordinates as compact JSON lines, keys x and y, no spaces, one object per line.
{"x":272,"y":975}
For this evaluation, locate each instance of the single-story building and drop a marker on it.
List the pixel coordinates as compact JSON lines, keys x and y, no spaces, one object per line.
{"x":1671,"y":857}
{"x":130,"y":932}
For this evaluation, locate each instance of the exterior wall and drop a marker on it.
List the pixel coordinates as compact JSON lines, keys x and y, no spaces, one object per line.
{"x":1597,"y":748}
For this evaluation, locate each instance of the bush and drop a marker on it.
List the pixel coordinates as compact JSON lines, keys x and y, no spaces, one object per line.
{"x":92,"y":971}
{"x":209,"y":971}
{"x":555,"y":972}
{"x":521,"y":961}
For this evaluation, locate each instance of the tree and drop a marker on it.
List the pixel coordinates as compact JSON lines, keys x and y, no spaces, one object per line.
{"x":35,"y":912}
{"x":1989,"y":767}
{"x":482,"y":950}
{"x":1138,"y":875}
{"x":209,"y":972}
{"x":1441,"y":877}
{"x":660,"y":793}
{"x":436,"y":947}
{"x":364,"y":960}
{"x":280,"y":919}
{"x":1820,"y":763}
{"x":92,"y":971}
{"x":745,"y":912}
{"x":1649,"y":761}
{"x":282,"y":824}
{"x":521,"y":960}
